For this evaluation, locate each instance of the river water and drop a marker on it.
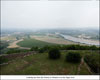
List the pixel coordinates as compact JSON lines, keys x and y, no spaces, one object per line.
{"x":80,"y":40}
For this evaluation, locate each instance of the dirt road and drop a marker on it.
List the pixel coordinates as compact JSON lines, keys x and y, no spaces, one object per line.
{"x":14,"y":44}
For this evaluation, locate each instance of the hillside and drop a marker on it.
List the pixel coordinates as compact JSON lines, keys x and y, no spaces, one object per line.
{"x":33,"y":63}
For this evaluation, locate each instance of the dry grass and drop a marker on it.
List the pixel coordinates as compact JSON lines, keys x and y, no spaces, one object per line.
{"x":8,"y":38}
{"x":52,"y":39}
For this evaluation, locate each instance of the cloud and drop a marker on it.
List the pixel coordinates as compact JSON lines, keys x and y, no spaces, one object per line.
{"x":49,"y":14}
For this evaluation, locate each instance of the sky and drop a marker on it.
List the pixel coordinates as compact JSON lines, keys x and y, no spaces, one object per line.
{"x":46,"y":14}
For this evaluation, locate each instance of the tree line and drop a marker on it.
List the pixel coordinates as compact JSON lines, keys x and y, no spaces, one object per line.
{"x":65,"y":47}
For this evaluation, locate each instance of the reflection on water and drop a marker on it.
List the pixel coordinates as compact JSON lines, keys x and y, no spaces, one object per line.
{"x":79,"y":40}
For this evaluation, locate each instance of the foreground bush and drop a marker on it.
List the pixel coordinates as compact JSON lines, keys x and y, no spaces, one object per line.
{"x":93,"y":61}
{"x":54,"y":53}
{"x":73,"y":57}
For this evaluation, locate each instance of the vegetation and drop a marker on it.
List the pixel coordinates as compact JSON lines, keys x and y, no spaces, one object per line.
{"x":79,"y":47}
{"x":39,"y":64}
{"x":34,"y":48}
{"x":33,"y":43}
{"x":54,"y":53}
{"x":3,"y":59}
{"x":44,"y":49}
{"x":16,"y":50}
{"x":71,"y":47}
{"x":74,"y":57}
{"x":3,"y":47}
{"x":29,"y":62}
{"x":41,"y":50}
{"x":63,"y":47}
{"x":93,"y":61}
{"x":3,"y":44}
{"x":4,"y":51}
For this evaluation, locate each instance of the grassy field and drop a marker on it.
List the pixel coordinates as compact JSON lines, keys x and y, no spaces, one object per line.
{"x":33,"y":42}
{"x":40,"y":64}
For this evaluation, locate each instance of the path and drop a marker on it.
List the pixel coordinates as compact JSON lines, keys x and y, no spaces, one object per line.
{"x":83,"y":63}
{"x":11,"y":57}
{"x":14,"y":45}
{"x":88,"y":67}
{"x":79,"y":67}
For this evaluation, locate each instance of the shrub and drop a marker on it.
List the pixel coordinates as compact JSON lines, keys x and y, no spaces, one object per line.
{"x":93,"y":47}
{"x":41,"y":50}
{"x":93,"y":62}
{"x":16,"y":50}
{"x":44,"y":49}
{"x":74,"y":57}
{"x":3,"y":59}
{"x":54,"y":53}
{"x":34,"y":49}
{"x":10,"y":51}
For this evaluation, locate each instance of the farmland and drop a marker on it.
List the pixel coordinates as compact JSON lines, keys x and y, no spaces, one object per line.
{"x":8,"y":38}
{"x":33,"y":42}
{"x":53,"y":39}
{"x":42,"y":40}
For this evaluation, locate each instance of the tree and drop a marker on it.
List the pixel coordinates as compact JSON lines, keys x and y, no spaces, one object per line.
{"x":74,"y":57}
{"x":34,"y":49}
{"x":41,"y":50}
{"x":93,"y":47}
{"x":54,"y":53}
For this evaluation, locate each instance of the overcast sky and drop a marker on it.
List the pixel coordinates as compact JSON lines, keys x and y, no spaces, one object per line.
{"x":49,"y":14}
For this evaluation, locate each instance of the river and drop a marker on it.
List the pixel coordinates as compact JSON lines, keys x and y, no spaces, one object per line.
{"x":80,"y":40}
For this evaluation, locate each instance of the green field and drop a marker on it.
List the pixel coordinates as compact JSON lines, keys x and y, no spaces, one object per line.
{"x":33,"y":42}
{"x":40,"y":64}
